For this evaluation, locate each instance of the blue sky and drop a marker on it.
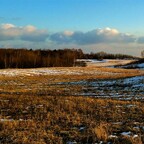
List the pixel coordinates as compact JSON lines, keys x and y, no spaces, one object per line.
{"x":114,"y":26}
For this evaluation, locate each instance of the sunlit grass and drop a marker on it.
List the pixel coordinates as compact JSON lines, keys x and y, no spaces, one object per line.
{"x":60,"y":119}
{"x":37,"y":109}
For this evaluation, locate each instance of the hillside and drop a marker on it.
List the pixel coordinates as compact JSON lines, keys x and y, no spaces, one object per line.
{"x":138,"y":64}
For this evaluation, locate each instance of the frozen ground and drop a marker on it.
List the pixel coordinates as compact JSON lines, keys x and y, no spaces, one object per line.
{"x":130,"y":88}
{"x":66,"y":71}
{"x":106,"y":62}
{"x":125,"y":89}
{"x":33,"y":72}
{"x":137,"y":66}
{"x":52,"y":71}
{"x":44,"y":71}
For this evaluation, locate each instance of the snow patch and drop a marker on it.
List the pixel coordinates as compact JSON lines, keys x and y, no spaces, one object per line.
{"x":112,"y":136}
{"x":126,"y":133}
{"x":6,"y":120}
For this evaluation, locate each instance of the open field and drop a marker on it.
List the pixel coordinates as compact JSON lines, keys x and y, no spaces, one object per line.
{"x":107,"y":63}
{"x":92,"y":104}
{"x":52,"y":119}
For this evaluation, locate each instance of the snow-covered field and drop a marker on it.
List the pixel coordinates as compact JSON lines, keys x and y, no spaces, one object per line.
{"x":105,"y":62}
{"x":137,"y":66}
{"x":69,"y":70}
{"x":35,"y":71}
{"x":49,"y":71}
{"x":125,"y":89}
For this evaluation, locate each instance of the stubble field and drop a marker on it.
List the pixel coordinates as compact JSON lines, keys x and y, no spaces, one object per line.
{"x":93,"y":104}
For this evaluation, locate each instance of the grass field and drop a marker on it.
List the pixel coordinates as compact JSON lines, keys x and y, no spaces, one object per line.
{"x":72,"y":105}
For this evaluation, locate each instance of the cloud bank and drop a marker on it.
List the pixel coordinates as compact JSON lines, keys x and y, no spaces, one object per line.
{"x":30,"y":33}
{"x":26,"y":33}
{"x":106,"y":35}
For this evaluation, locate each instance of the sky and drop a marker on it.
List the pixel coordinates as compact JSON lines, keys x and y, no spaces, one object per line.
{"x":112,"y":26}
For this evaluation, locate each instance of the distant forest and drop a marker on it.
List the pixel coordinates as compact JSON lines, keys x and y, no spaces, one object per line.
{"x":24,"y":58}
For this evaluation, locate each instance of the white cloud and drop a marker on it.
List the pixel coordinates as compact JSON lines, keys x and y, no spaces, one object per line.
{"x":7,"y":26}
{"x":68,"y":33}
{"x":27,"y":33}
{"x":31,"y":33}
{"x":108,"y":31}
{"x":30,"y":28}
{"x":106,"y":35}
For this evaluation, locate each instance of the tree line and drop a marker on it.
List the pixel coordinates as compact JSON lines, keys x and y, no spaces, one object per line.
{"x":103,"y":55}
{"x":24,"y":58}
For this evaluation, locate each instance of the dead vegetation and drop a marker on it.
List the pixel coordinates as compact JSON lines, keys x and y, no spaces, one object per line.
{"x":49,"y":119}
{"x":38,"y":109}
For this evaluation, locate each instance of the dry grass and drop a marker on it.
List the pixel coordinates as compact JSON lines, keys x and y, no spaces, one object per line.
{"x":48,"y":119}
{"x":35,"y":110}
{"x":77,"y":72}
{"x":109,"y":63}
{"x":101,"y":131}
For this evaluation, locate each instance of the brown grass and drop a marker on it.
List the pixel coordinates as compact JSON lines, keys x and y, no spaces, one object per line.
{"x":34,"y":119}
{"x":34,"y":110}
